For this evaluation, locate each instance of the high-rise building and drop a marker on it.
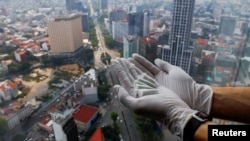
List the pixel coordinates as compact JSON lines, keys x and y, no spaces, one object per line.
{"x":148,"y":48}
{"x":130,"y":45}
{"x":227,"y":26}
{"x":179,"y":53}
{"x":103,"y":4}
{"x":70,"y":4}
{"x":119,"y":30}
{"x":116,"y":15}
{"x":85,"y":22}
{"x":146,"y":23}
{"x":65,"y":34}
{"x":139,"y":23}
{"x":133,"y":22}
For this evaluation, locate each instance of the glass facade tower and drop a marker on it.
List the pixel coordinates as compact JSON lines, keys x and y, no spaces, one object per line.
{"x":179,"y":53}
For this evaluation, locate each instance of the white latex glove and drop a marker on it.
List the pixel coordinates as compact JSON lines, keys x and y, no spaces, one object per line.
{"x":197,"y":96}
{"x":163,"y":105}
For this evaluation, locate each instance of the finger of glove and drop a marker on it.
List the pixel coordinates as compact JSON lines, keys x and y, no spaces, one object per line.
{"x":140,"y":67}
{"x":163,"y":65}
{"x":148,"y":65}
{"x":133,"y":69}
{"x":126,"y":83}
{"x":126,"y":68}
{"x":114,"y":70}
{"x":124,"y":97}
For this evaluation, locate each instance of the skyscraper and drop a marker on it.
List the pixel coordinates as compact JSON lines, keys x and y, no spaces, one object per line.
{"x":130,"y":45}
{"x":227,"y":26}
{"x":139,"y":23}
{"x":179,"y":53}
{"x":70,"y":4}
{"x":65,"y":34}
{"x":119,"y":30}
{"x":148,"y":48}
{"x":146,"y":23}
{"x":85,"y":22}
{"x":103,"y":4}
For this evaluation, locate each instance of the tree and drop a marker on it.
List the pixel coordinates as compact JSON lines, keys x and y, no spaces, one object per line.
{"x":25,"y":66}
{"x":57,"y":61}
{"x":102,"y":91}
{"x":109,"y":42}
{"x":3,"y":124}
{"x":121,"y":53}
{"x":27,"y":36}
{"x":30,"y":56}
{"x":147,"y":129}
{"x":45,"y":60}
{"x":13,"y":67}
{"x":18,"y":138}
{"x":110,"y":133}
{"x":114,"y":116}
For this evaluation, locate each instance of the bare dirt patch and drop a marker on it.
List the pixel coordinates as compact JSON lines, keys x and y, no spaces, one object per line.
{"x":71,"y":68}
{"x":37,"y":89}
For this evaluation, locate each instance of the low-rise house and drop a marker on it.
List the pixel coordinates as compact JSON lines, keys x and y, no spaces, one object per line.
{"x":87,"y":83}
{"x":8,"y":90}
{"x":46,"y":124}
{"x":85,"y":116}
{"x":15,"y":113}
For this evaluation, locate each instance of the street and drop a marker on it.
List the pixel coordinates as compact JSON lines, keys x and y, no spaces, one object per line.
{"x":128,"y":126}
{"x":102,"y":46}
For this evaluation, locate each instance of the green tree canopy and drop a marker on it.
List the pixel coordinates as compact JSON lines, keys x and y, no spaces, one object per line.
{"x":3,"y":124}
{"x":147,"y":129}
{"x":102,"y":91}
{"x":109,"y":41}
{"x":114,"y":116}
{"x":110,"y":133}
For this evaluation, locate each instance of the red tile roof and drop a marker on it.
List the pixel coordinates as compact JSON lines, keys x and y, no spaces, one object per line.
{"x":84,"y":113}
{"x":201,"y":42}
{"x":97,"y":136}
{"x":2,"y":88}
{"x":12,"y":85}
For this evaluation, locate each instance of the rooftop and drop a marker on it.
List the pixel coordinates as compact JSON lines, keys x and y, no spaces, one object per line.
{"x":84,"y":113}
{"x":90,"y":74}
{"x":11,"y":110}
{"x":68,"y":17}
{"x":97,"y":136}
{"x":45,"y":120}
{"x":148,"y":40}
{"x":201,"y":41}
{"x":7,"y":84}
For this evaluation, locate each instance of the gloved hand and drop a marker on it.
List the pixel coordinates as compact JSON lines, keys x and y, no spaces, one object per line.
{"x":197,"y":96}
{"x":164,"y":104}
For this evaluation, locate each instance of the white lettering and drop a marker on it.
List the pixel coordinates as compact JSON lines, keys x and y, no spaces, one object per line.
{"x":243,"y":133}
{"x":215,"y":132}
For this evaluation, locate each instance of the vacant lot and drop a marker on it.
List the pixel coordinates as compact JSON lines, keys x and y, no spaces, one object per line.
{"x":71,"y":68}
{"x":39,"y":88}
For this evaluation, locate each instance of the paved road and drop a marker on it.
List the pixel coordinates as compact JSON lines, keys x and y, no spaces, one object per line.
{"x":128,"y":127}
{"x":102,"y":46}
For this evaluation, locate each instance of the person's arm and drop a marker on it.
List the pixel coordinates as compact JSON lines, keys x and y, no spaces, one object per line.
{"x":201,"y":134}
{"x":231,"y":103}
